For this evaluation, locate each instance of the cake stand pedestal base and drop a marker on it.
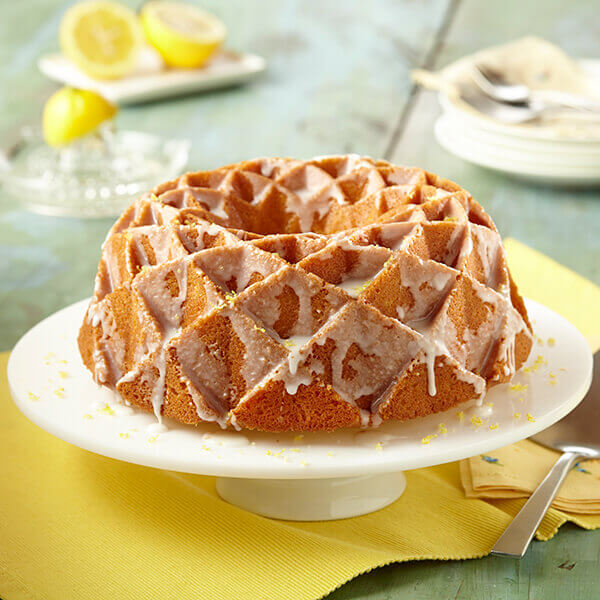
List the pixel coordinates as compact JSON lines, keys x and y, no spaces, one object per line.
{"x":313,"y":499}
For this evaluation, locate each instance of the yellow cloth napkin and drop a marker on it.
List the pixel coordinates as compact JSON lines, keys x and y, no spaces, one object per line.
{"x":515,"y":472}
{"x":77,"y":525}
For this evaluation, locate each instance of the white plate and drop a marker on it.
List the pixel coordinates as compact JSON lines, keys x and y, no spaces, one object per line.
{"x":517,"y":153}
{"x":536,"y":167}
{"x":53,"y":389}
{"x":153,"y":81}
{"x":576,"y":152}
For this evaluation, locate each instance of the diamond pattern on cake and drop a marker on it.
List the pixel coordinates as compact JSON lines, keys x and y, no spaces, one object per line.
{"x":281,"y":294}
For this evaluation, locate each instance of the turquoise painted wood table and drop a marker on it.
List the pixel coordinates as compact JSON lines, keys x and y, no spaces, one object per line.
{"x":337,"y":82}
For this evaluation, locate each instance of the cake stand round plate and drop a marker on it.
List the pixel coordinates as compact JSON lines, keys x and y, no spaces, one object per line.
{"x":309,"y":476}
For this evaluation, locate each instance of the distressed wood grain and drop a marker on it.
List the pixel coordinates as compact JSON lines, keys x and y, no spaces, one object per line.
{"x":562,"y":223}
{"x":336,"y":82}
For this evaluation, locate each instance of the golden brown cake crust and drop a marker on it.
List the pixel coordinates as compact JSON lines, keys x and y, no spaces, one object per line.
{"x":287,"y":295}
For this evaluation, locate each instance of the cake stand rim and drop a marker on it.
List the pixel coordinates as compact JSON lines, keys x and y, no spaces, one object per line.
{"x":380,"y":462}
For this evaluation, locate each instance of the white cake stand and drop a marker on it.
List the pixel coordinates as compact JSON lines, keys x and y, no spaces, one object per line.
{"x":311,"y":476}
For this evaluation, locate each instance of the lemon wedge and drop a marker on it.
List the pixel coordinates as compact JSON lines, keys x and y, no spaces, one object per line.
{"x":184,"y":35}
{"x":71,"y":113}
{"x":102,"y":38}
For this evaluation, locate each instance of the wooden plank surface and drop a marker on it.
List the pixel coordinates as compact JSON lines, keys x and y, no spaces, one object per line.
{"x":561,"y":223}
{"x":337,"y":82}
{"x":564,"y":224}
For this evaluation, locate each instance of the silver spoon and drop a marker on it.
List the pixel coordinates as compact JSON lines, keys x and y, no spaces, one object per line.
{"x":578,"y":436}
{"x":495,"y":84}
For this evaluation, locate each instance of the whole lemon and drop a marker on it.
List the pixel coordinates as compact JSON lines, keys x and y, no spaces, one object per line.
{"x":71,"y":113}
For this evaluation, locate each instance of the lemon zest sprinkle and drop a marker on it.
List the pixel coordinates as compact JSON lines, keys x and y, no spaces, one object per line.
{"x":428,"y":438}
{"x":361,"y":288}
{"x":518,"y":387}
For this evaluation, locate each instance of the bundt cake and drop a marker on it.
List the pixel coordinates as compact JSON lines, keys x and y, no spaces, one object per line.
{"x":288,"y":295}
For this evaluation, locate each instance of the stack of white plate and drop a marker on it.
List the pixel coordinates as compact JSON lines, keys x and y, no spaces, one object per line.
{"x":528,"y":151}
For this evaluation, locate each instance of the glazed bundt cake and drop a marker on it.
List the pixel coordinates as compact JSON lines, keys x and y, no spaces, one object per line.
{"x":288,"y":295}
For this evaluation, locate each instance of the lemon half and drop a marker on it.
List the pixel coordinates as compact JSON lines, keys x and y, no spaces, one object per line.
{"x":184,"y":35}
{"x":102,"y":38}
{"x":71,"y":113}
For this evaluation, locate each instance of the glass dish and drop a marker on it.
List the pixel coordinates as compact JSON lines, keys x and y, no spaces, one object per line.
{"x":96,"y":176}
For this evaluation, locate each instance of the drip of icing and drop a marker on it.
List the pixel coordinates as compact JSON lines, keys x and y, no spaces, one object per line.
{"x":168,"y":312}
{"x":156,"y":429}
{"x":432,"y":348}
{"x":467,"y":246}
{"x":293,"y":383}
{"x":109,"y":351}
{"x":296,"y":346}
